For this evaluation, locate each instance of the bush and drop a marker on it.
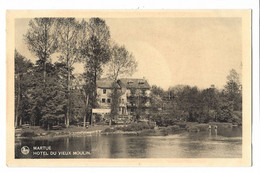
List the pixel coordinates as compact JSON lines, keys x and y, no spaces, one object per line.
{"x":109,"y":130}
{"x":237,"y":117}
{"x":175,"y":128}
{"x":147,"y":132}
{"x":221,"y":125}
{"x":193,"y":129}
{"x":136,"y":127}
{"x":166,"y":131}
{"x":50,"y":120}
{"x":28,"y":134}
{"x":152,"y":125}
{"x":182,"y":125}
{"x":197,"y":127}
{"x":202,"y":127}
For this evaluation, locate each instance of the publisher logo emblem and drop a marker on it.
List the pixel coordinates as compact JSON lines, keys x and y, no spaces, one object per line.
{"x":25,"y":150}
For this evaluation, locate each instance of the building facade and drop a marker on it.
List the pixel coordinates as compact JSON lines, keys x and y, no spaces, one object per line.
{"x":134,"y":96}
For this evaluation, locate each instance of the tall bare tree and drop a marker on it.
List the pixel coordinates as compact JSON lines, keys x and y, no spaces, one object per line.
{"x":41,"y":40}
{"x":68,"y":47}
{"x":122,"y":63}
{"x":95,"y":52}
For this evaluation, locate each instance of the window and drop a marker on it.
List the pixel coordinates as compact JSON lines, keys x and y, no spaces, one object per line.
{"x":104,"y":91}
{"x":108,"y":100}
{"x":103,"y":100}
{"x":130,"y":82}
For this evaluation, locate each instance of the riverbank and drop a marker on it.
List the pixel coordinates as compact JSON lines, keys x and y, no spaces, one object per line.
{"x":36,"y":132}
{"x":144,"y":129}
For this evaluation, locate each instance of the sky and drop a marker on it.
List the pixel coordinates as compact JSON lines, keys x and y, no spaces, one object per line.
{"x":171,"y":51}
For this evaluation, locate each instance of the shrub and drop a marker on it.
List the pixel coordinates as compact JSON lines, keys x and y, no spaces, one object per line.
{"x":147,"y":132}
{"x":182,"y":125}
{"x":202,"y":127}
{"x":175,"y":128}
{"x":193,"y":129}
{"x":152,"y":125}
{"x":28,"y":134}
{"x":165,"y":131}
{"x":197,"y":127}
{"x":136,"y":127}
{"x":109,"y":130}
{"x":221,"y":125}
{"x":237,"y":117}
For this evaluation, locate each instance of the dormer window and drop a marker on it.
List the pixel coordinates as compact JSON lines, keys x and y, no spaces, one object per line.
{"x":130,"y":82}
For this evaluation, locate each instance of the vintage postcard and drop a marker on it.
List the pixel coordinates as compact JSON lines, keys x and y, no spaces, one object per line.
{"x":129,"y":88}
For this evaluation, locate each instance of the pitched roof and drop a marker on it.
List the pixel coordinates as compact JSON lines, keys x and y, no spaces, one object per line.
{"x":129,"y":83}
{"x":105,"y":83}
{"x":135,"y":83}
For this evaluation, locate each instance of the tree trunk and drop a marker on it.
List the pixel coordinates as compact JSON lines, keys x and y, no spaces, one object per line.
{"x":84,"y":121}
{"x":68,"y":100}
{"x":86,"y":111}
{"x":18,"y":102}
{"x":44,"y":73}
{"x":21,"y":121}
{"x":95,"y":89}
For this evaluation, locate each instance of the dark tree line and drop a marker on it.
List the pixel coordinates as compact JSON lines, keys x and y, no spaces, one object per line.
{"x":47,"y":93}
{"x":186,"y":103}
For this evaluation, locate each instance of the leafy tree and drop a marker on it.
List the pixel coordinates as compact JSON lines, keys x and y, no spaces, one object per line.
{"x":95,"y":52}
{"x":156,"y":100}
{"x":233,"y":90}
{"x":189,"y":100}
{"x":210,"y":99}
{"x":80,"y":97}
{"x":68,"y":47}
{"x":122,"y":63}
{"x":41,"y":40}
{"x":225,"y":110}
{"x":22,"y":69}
{"x":115,"y":95}
{"x":49,"y":120}
{"x":49,"y":98}
{"x":55,"y":90}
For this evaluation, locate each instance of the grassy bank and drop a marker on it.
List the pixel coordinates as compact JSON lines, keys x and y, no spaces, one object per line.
{"x":197,"y":127}
{"x":141,"y":128}
{"x":150,"y":130}
{"x":37,"y":132}
{"x":144,"y":129}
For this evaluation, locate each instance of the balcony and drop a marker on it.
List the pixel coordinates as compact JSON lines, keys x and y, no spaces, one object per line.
{"x":131,"y":105}
{"x":142,"y":95}
{"x":134,"y":105}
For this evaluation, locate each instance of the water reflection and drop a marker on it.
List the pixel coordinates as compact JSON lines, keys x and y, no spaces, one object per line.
{"x":214,"y":143}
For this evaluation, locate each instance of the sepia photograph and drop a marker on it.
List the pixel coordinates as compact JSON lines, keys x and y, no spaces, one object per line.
{"x":127,"y":85}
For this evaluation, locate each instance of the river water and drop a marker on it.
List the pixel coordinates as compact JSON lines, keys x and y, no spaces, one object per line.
{"x":221,"y":143}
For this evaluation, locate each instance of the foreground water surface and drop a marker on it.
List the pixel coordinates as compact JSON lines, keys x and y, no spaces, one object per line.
{"x":223,"y":143}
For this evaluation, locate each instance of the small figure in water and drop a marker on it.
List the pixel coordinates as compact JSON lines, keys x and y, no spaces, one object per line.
{"x":216,"y":130}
